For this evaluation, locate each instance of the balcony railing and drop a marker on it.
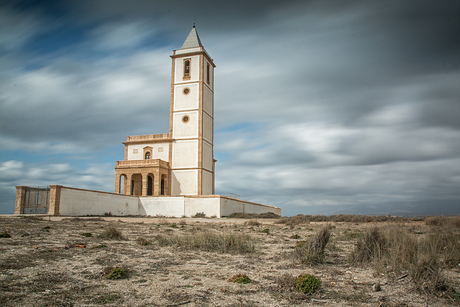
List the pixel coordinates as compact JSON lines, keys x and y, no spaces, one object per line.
{"x":142,"y":163}
{"x":148,"y":137}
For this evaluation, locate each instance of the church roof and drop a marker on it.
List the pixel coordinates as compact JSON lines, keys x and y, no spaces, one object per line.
{"x":192,"y":40}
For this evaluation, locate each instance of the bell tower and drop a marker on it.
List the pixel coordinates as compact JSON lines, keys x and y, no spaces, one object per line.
{"x":192,"y":119}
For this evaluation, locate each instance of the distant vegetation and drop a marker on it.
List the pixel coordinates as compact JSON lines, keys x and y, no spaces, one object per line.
{"x":430,"y":220}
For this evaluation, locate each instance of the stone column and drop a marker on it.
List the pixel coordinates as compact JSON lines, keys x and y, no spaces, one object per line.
{"x":20,"y":199}
{"x":129,"y":179}
{"x":156,"y":183}
{"x":117,"y":182}
{"x":55,"y":199}
{"x":144,"y":184}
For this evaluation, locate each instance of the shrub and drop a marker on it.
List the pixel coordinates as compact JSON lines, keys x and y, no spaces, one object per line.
{"x":286,"y":282}
{"x":295,"y":236}
{"x":143,"y":241}
{"x":423,"y":258}
{"x":253,"y":223}
{"x":109,"y":298}
{"x":99,"y":246}
{"x":199,"y":215}
{"x":5,"y":235}
{"x":240,"y":278}
{"x":116,"y":273}
{"x":210,"y":241}
{"x":447,"y":222}
{"x":86,"y":234}
{"x":241,"y":215}
{"x":370,"y":246}
{"x":111,"y":233}
{"x":266,"y":230}
{"x":307,"y":283}
{"x":312,"y":251}
{"x":435,"y":220}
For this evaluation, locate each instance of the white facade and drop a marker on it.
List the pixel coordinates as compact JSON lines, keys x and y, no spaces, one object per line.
{"x":159,"y":151}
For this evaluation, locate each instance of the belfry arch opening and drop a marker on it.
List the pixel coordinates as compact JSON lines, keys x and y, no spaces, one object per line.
{"x":186,"y":69}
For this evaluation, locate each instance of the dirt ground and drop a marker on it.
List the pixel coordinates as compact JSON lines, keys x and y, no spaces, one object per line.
{"x":46,"y":262}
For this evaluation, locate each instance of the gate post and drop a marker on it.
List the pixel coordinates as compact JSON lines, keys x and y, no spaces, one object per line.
{"x":20,"y":199}
{"x":55,"y":199}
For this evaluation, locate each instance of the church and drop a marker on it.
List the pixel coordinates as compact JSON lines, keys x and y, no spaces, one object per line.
{"x":180,"y":162}
{"x":170,"y":174}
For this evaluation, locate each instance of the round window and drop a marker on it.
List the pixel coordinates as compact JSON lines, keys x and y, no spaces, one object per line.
{"x":185,"y":119}
{"x":186,"y":91}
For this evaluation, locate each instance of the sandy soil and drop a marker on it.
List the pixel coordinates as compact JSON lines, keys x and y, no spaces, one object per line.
{"x":41,"y":265}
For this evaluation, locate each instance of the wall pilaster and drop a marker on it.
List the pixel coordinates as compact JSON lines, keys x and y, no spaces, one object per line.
{"x":55,"y":199}
{"x":20,"y":199}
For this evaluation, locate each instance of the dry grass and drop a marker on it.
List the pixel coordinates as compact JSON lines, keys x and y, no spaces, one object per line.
{"x":111,"y":233}
{"x":210,"y":241}
{"x":285,"y":282}
{"x":191,"y":265}
{"x":306,"y":219}
{"x":369,"y":247}
{"x":312,"y":251}
{"x":447,"y":222}
{"x":252,"y":223}
{"x":268,"y":215}
{"x":397,"y":252}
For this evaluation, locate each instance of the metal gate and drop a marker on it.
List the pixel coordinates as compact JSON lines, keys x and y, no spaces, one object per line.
{"x":37,"y":200}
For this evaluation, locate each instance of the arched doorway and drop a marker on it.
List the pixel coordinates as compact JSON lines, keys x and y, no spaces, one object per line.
{"x":149,"y":185}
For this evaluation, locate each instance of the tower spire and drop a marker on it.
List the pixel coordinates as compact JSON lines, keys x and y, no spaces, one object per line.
{"x":192,"y":40}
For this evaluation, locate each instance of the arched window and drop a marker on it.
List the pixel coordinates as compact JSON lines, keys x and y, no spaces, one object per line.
{"x":147,"y":155}
{"x":187,"y":69}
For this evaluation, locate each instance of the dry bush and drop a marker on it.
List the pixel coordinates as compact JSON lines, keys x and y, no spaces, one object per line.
{"x":209,"y":241}
{"x":435,"y":220}
{"x":112,"y":233}
{"x":397,"y":252}
{"x":305,"y":219}
{"x":199,"y":215}
{"x":369,"y":247}
{"x":252,"y":223}
{"x":294,"y":220}
{"x":241,"y":215}
{"x":447,"y":222}
{"x":312,"y":251}
{"x":286,"y":282}
{"x":240,"y":278}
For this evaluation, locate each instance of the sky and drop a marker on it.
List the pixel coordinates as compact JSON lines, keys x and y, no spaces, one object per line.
{"x":321,"y":107}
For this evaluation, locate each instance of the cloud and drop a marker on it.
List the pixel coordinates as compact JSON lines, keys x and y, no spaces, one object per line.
{"x":17,"y":28}
{"x":317,"y":103}
{"x":95,"y":177}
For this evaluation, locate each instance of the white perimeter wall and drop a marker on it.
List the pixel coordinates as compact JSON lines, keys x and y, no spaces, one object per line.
{"x":76,"y":202}
{"x":230,"y":205}
{"x":167,"y":206}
